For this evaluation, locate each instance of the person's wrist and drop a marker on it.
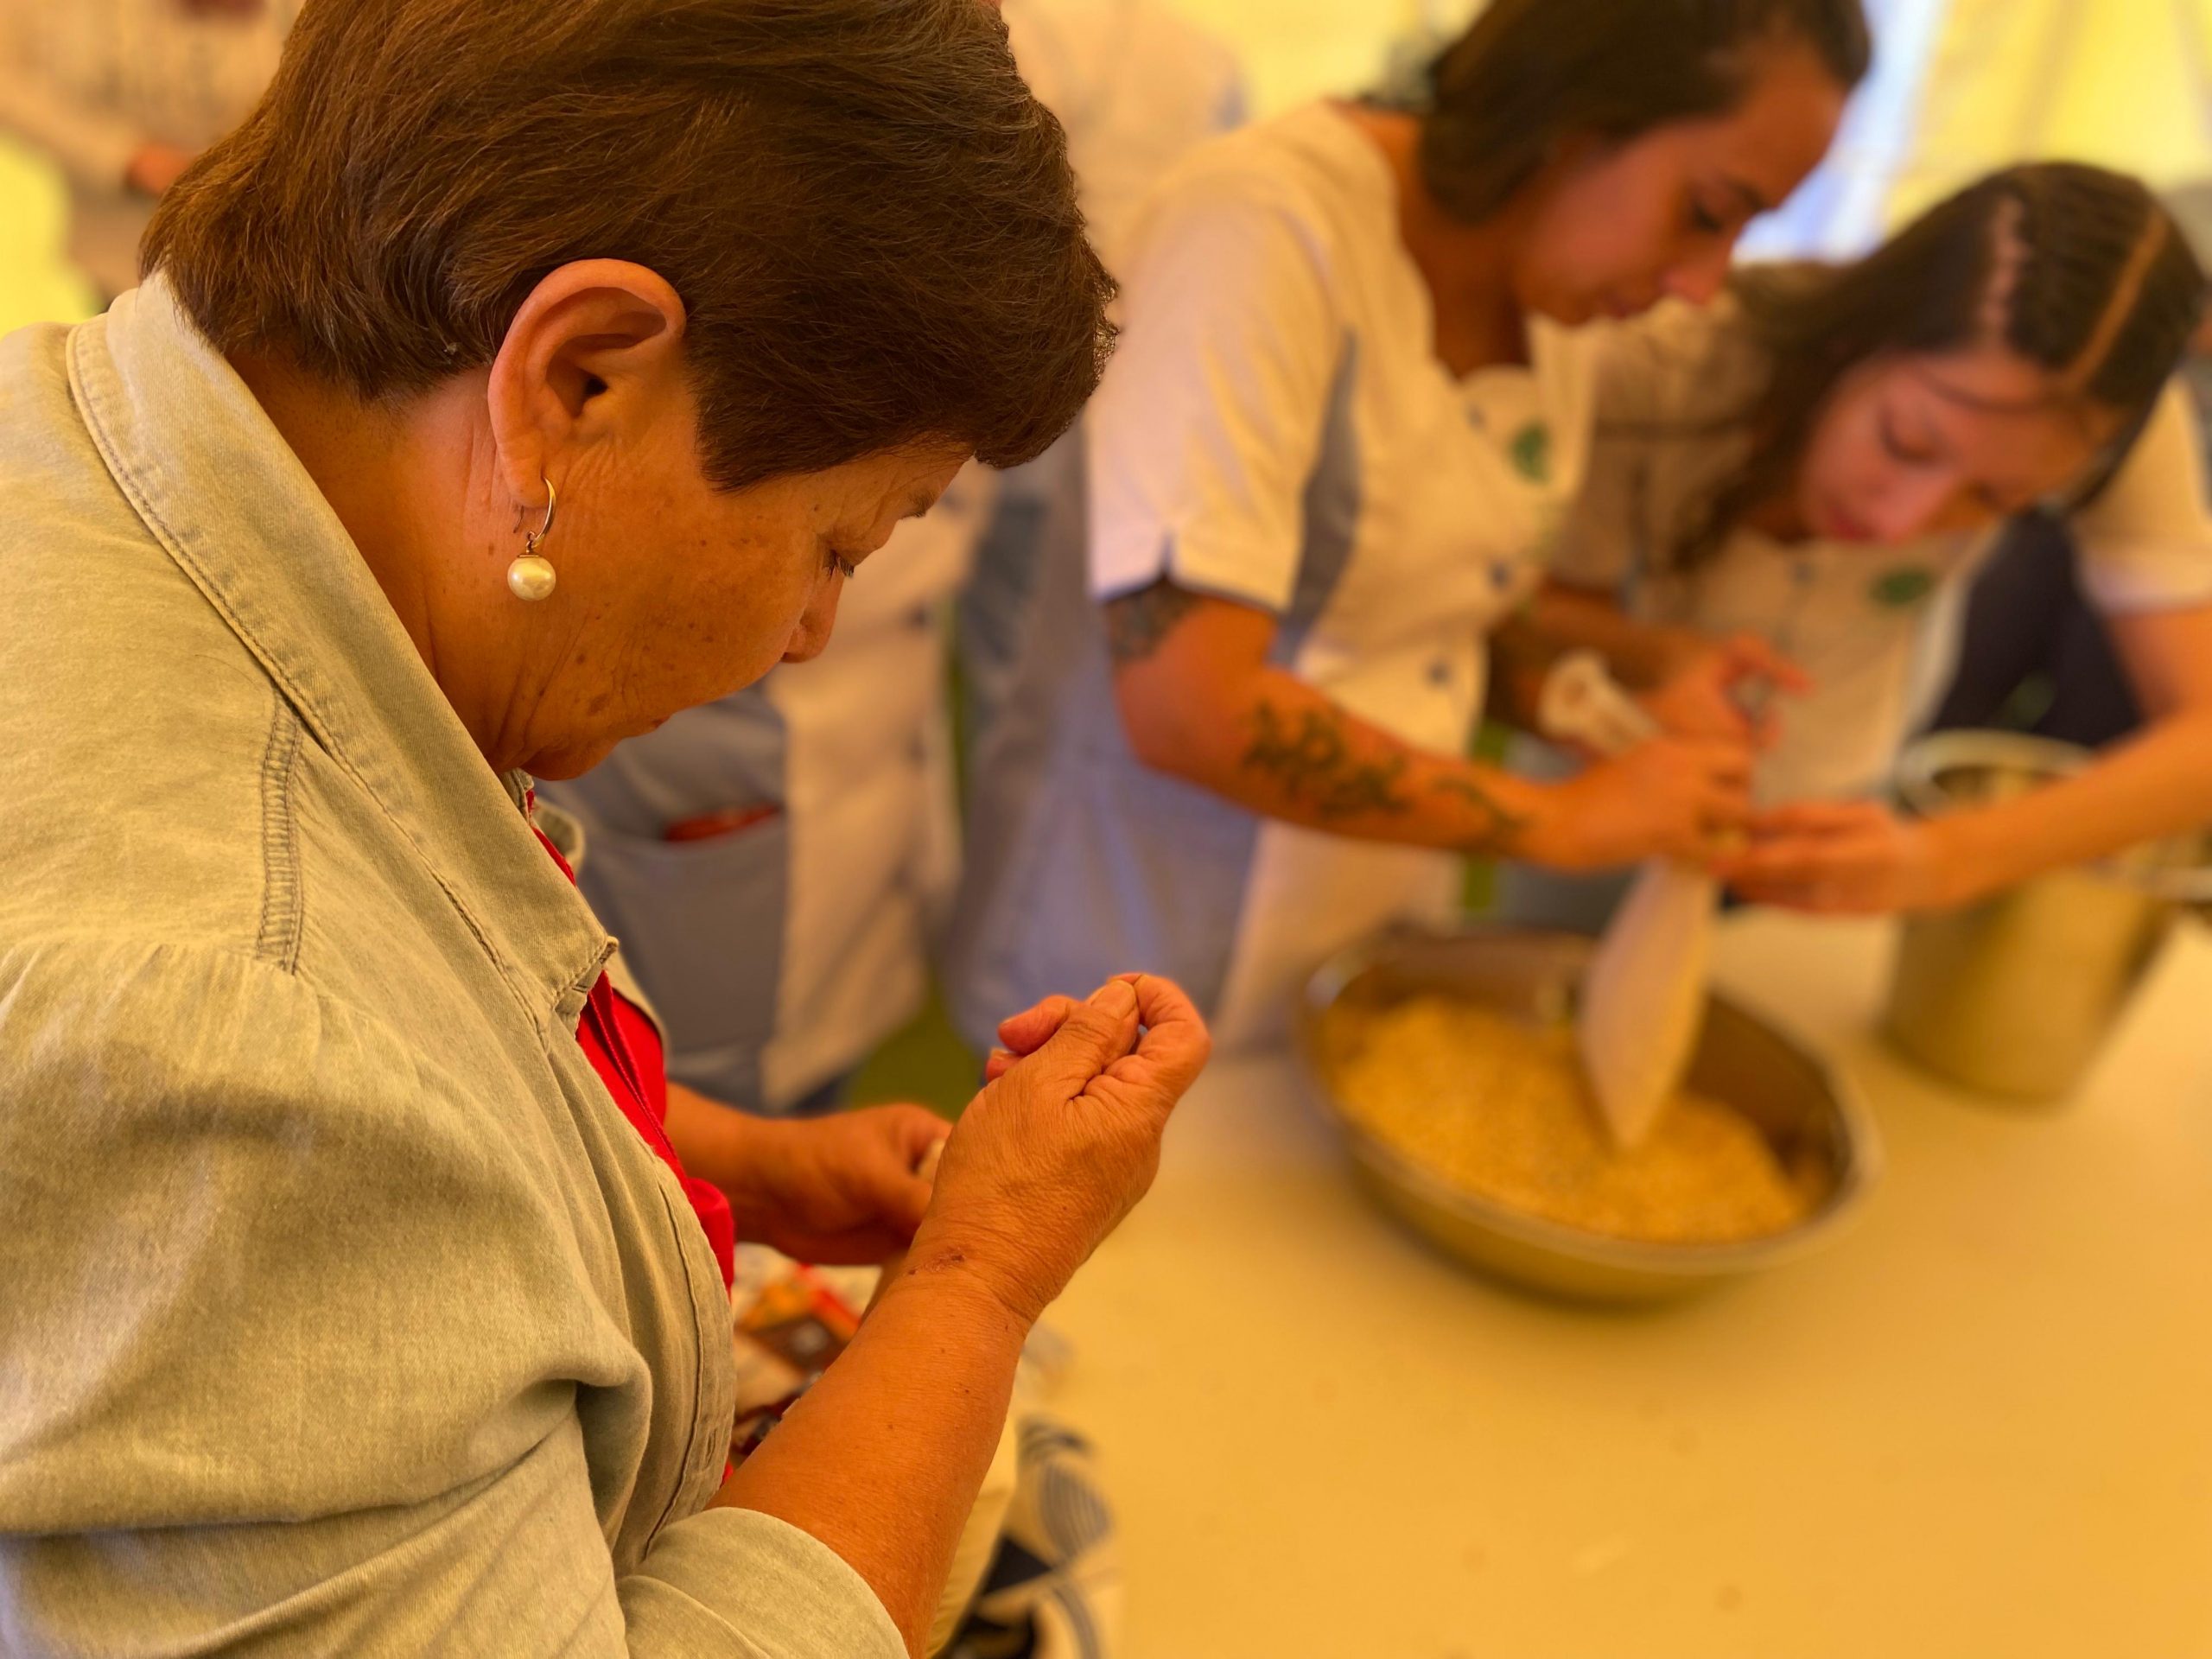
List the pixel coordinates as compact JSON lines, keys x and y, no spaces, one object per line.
{"x":1960,"y":861}
{"x":1550,"y":833}
{"x":958,"y":1312}
{"x":974,"y":1263}
{"x":944,"y":1269}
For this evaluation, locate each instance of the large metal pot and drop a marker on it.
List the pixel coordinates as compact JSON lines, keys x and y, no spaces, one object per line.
{"x":2015,"y":995}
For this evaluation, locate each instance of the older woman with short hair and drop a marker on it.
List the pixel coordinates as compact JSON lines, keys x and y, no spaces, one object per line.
{"x":520,"y":374}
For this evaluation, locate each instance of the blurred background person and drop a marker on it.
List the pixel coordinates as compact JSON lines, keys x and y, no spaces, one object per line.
{"x":778,"y":864}
{"x":1821,"y":458}
{"x":122,"y":94}
{"x":1225,"y":718}
{"x":2035,"y":651}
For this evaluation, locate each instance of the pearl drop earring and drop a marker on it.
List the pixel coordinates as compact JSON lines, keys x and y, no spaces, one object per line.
{"x":530,"y":576}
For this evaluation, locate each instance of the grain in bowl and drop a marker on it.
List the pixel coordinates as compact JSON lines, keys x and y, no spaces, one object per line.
{"x":1498,"y":1107}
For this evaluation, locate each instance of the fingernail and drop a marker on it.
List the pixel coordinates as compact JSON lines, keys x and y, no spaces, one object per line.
{"x":1117,"y":997}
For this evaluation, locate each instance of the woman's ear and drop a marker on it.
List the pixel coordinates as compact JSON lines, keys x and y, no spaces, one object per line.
{"x":592,"y":352}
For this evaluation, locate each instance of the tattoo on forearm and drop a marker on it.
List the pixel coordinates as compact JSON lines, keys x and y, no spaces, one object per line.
{"x":1310,"y":760}
{"x":1137,"y":623}
{"x":1501,"y":827}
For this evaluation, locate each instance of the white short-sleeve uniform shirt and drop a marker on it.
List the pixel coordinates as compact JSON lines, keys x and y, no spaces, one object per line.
{"x":1874,"y":625}
{"x":1275,"y":430}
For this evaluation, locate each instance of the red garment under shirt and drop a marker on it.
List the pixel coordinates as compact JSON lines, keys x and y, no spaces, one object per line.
{"x":624,"y":1047}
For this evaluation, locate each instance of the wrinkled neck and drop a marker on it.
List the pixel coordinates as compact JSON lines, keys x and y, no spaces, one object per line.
{"x":413,"y":488}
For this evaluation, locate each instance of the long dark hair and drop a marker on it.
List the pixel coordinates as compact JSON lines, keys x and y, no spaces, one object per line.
{"x":1530,"y":72}
{"x":2078,"y":270}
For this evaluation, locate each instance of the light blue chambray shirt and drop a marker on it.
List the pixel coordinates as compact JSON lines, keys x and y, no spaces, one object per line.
{"x":340,"y":1309}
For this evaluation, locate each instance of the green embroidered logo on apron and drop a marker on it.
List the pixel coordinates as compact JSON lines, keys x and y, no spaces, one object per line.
{"x":1907,"y":584}
{"x":1532,"y":452}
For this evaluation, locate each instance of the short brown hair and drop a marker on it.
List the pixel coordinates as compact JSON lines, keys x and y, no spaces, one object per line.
{"x":871,"y":221}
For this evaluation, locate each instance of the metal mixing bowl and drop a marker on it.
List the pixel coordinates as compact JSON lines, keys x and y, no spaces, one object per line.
{"x":1806,"y":1110}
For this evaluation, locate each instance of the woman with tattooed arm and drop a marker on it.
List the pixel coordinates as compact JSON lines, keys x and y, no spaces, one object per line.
{"x":1345,"y":423}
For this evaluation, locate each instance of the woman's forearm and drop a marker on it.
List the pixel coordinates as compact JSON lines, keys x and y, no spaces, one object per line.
{"x":883,"y":1458}
{"x":2158,"y":784}
{"x":1276,"y":745}
{"x":1200,"y":699}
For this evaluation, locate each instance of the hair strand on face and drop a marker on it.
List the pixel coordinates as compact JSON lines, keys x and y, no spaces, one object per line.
{"x":2126,"y":294}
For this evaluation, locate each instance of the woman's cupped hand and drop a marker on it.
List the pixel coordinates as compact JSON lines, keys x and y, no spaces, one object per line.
{"x":1063,"y":1139}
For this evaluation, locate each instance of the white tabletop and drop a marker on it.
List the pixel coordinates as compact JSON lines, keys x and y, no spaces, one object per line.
{"x":1979,"y":1423}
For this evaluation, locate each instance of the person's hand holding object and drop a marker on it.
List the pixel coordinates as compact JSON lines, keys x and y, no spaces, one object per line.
{"x":1063,"y":1139}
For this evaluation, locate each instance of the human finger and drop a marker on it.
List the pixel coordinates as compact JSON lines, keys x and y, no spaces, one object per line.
{"x":1092,"y":1035}
{"x":1028,"y":1031}
{"x":1749,"y":655}
{"x":1174,"y":1047}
